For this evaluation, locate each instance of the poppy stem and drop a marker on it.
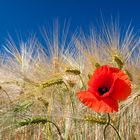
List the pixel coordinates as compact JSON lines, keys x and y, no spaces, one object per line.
{"x":108,"y":123}
{"x":115,"y":131}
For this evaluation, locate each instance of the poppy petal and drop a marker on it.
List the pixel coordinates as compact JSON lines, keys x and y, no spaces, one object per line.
{"x":88,"y":99}
{"x":122,"y":86}
{"x":104,"y":80}
{"x":106,"y":105}
{"x":121,"y":89}
{"x":99,"y":71}
{"x":109,"y":105}
{"x":106,"y":86}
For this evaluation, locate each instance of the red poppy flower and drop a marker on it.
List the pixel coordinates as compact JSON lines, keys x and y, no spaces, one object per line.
{"x":106,"y":87}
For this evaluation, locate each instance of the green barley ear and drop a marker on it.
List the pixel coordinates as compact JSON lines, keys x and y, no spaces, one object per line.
{"x":51,"y":82}
{"x":38,"y":120}
{"x":119,"y":62}
{"x":73,"y":71}
{"x":99,"y":120}
{"x":93,"y":119}
{"x":30,"y":121}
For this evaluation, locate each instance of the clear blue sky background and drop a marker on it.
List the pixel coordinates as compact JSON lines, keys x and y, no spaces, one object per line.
{"x":28,"y":16}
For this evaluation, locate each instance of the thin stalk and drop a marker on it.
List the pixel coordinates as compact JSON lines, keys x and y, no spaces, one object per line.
{"x":6,"y":94}
{"x":106,"y":126}
{"x":82,"y":81}
{"x":56,"y":128}
{"x":115,"y":131}
{"x":108,"y":123}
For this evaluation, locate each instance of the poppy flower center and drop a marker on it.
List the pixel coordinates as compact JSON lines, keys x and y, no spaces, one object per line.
{"x":102,"y":90}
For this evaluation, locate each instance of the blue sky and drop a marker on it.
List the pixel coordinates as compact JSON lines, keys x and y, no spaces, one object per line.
{"x":23,"y":17}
